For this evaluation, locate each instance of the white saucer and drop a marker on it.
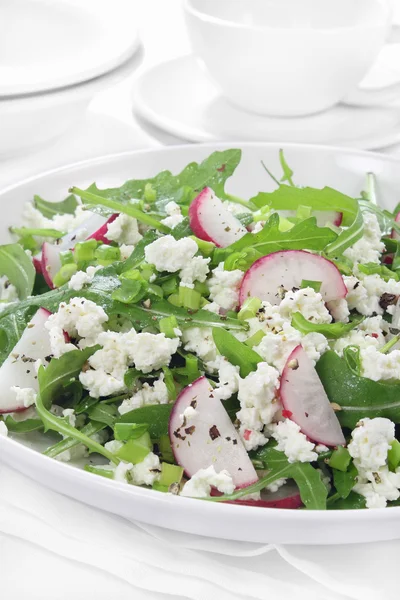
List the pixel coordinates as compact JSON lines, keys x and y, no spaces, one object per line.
{"x":178,"y":97}
{"x":46,"y":45}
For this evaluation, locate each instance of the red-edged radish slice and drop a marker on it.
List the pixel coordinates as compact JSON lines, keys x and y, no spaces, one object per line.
{"x":303,"y":394}
{"x":19,"y":367}
{"x":287,"y":497}
{"x":286,"y":269}
{"x":394,"y":234}
{"x":211,"y":221}
{"x":209,"y":437}
{"x":51,"y":262}
{"x":101,"y":234}
{"x":37,"y":262}
{"x":323,"y":216}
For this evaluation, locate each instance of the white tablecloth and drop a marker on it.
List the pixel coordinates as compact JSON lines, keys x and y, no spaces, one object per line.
{"x":54,"y":548}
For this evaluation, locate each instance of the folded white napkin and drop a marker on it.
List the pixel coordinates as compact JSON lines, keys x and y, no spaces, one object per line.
{"x":177,"y":565}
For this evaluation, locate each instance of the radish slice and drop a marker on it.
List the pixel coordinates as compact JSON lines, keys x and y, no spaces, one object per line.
{"x":101,"y":233}
{"x":212,"y":222}
{"x":51,"y":262}
{"x":19,"y":367}
{"x":394,"y":233}
{"x":285,"y":270}
{"x":37,"y":262}
{"x":303,"y":394}
{"x":287,"y":497}
{"x":209,"y":437}
{"x":323,"y":216}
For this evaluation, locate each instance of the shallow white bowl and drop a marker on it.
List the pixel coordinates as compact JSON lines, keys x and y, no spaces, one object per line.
{"x":313,"y":165}
{"x":28,"y":122}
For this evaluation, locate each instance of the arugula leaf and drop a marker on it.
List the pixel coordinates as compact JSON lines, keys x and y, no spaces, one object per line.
{"x":330,"y":330}
{"x":22,"y":426}
{"x":358,"y":397}
{"x":305,"y":234}
{"x":50,"y":209}
{"x":18,"y":268}
{"x":27,"y":231}
{"x":103,"y":413}
{"x":156,"y":416}
{"x":383,"y":271}
{"x":60,"y":372}
{"x":344,"y":481}
{"x":353,"y":501}
{"x":137,"y":256}
{"x":212,"y":172}
{"x":236,"y":352}
{"x":71,"y":442}
{"x":287,"y":171}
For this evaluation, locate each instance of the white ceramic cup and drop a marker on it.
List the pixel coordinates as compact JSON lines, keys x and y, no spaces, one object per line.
{"x":290,"y":57}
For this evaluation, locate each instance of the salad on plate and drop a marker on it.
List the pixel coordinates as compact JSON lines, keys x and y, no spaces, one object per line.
{"x":170,"y":335}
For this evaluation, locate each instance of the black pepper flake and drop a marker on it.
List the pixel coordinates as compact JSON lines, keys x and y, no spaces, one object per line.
{"x":228,"y":439}
{"x":178,"y":435}
{"x":193,"y":403}
{"x":190,"y":430}
{"x":306,"y":414}
{"x":240,"y":469}
{"x":214,"y":432}
{"x":234,"y":442}
{"x":356,"y":285}
{"x":387,"y":300}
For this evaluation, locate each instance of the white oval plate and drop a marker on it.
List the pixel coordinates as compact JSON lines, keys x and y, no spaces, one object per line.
{"x":312,"y":165}
{"x":178,"y":97}
{"x":48,"y":45}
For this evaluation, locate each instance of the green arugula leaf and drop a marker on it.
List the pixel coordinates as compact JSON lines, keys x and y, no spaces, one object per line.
{"x":59,"y":373}
{"x":305,"y":234}
{"x":212,"y":172}
{"x":50,"y":209}
{"x":18,"y":268}
{"x":156,"y":416}
{"x":28,"y":231}
{"x":22,"y":426}
{"x":236,"y":352}
{"x":382,"y":270}
{"x":344,"y":481}
{"x":71,"y":442}
{"x":287,"y":171}
{"x":358,"y":397}
{"x":103,"y":413}
{"x":332,"y":331}
{"x":137,"y":256}
{"x":352,"y":502}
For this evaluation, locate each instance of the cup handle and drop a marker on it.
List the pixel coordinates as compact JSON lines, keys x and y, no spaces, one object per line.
{"x":379,"y":96}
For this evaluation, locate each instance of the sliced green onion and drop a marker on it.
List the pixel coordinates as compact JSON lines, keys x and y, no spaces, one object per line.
{"x":168,"y":325}
{"x":67,"y":257}
{"x":132,"y":274}
{"x":206,"y":248}
{"x":129,"y":431}
{"x":242,"y":260}
{"x":170,"y":474}
{"x":134,"y":451}
{"x":308,"y":283}
{"x":64,"y":274}
{"x":303,"y":212}
{"x":160,"y":488}
{"x":202,"y":288}
{"x":175,"y":300}
{"x":285,"y":224}
{"x":394,"y":455}
{"x":129,"y":292}
{"x":165,"y":449}
{"x":150,"y":194}
{"x":84,"y":251}
{"x":340,"y":459}
{"x":104,"y":471}
{"x":255,"y":339}
{"x":249,"y":309}
{"x":155,"y":290}
{"x":189,"y":298}
{"x":169,"y":383}
{"x":170,"y":286}
{"x":107,"y":255}
{"x":147,"y":271}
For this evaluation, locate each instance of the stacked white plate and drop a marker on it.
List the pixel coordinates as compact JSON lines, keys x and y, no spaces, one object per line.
{"x":55,"y":55}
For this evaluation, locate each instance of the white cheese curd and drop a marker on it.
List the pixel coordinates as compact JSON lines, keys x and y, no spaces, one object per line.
{"x":369,"y":333}
{"x":100,"y":384}
{"x":199,"y":340}
{"x":126,"y":250}
{"x":258,"y":227}
{"x":370,"y":247}
{"x":31,"y":217}
{"x":274,"y":487}
{"x":212,"y":307}
{"x":3,"y":429}
{"x":378,"y":366}
{"x":228,"y":379}
{"x":364,"y":295}
{"x":251,"y":438}
{"x":124,"y":230}
{"x":224,"y":287}
{"x":370,"y":443}
{"x":169,"y":254}
{"x":79,"y":317}
{"x":195,"y":270}
{"x":174,"y":213}
{"x":8,"y":293}
{"x":339,"y":310}
{"x":122,"y":472}
{"x":73,"y":454}
{"x":199,"y":486}
{"x":69,"y":413}
{"x":24,"y":396}
{"x":378,"y":487}
{"x":147,"y":395}
{"x":150,"y":352}
{"x":292,"y":442}
{"x":58,"y":343}
{"x":146,"y":472}
{"x":306,"y":301}
{"x":188,"y":414}
{"x":83,"y":278}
